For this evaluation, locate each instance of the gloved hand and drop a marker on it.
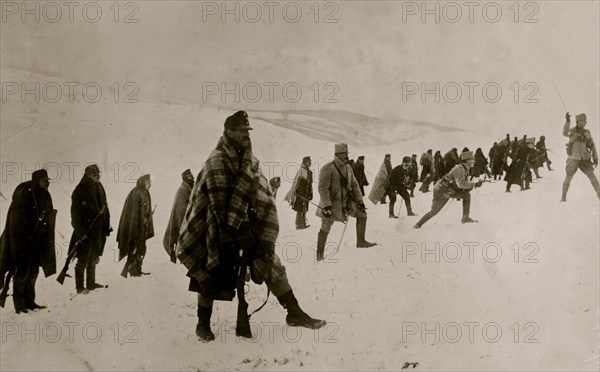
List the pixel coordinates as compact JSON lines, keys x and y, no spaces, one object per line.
{"x":478,"y":184}
{"x":327,"y":212}
{"x":594,"y":163}
{"x":568,"y":117}
{"x":110,"y":229}
{"x":366,"y":183}
{"x":361,"y":207}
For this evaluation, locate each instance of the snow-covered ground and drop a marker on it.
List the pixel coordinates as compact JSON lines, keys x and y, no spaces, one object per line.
{"x":516,"y":291}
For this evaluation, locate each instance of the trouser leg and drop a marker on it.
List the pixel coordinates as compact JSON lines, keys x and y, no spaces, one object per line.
{"x":29,"y":290}
{"x":436,"y":206}
{"x":80,"y":268}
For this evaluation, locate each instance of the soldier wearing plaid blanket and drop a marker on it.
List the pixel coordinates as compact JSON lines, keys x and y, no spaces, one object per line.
{"x":232,"y":207}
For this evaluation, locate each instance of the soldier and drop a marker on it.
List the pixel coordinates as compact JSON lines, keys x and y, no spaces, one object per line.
{"x":530,"y":162}
{"x":359,"y":173}
{"x":516,"y":173}
{"x":426,"y":170}
{"x":400,"y":182}
{"x":500,"y":158}
{"x":232,"y":207}
{"x":414,"y":171}
{"x":451,"y":159}
{"x":275,"y":183}
{"x":28,"y":240}
{"x":480,"y":166}
{"x":387,"y":168}
{"x":426,"y":163}
{"x":582,"y":153}
{"x":438,"y":166}
{"x":90,"y":219}
{"x":301,"y":193}
{"x":453,"y":185}
{"x":136,"y":226}
{"x":177,"y":213}
{"x":340,"y":197}
{"x":543,"y":152}
{"x":492,"y":154}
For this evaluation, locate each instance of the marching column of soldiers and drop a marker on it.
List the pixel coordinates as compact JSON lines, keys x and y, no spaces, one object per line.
{"x":225,"y":221}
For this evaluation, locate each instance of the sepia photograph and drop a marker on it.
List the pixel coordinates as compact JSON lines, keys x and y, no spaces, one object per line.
{"x":307,"y":185}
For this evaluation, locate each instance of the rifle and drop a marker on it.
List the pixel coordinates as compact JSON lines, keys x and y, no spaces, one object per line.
{"x":242,"y":328}
{"x":131,"y":255}
{"x":4,"y":292}
{"x":73,"y":252}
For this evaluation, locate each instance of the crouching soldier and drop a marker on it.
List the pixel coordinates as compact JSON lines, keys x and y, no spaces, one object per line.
{"x":453,"y":185}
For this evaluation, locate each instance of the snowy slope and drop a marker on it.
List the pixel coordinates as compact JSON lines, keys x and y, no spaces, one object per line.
{"x":372,"y":298}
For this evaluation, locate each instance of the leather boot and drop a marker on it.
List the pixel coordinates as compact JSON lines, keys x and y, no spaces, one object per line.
{"x":203,"y":327}
{"x":321,"y":240}
{"x":79,"y":272}
{"x":361,"y":228}
{"x":391,"y":210}
{"x":91,"y":278}
{"x":295,"y":316}
{"x":19,"y":295}
{"x":29,"y":293}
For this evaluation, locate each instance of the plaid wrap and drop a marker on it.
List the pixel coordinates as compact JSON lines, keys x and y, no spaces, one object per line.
{"x":219,"y":204}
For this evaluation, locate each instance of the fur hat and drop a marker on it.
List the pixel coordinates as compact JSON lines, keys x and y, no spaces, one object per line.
{"x":580,"y":117}
{"x":187,"y":173}
{"x":406,"y":159}
{"x":467,"y":155}
{"x":239,"y":120}
{"x":340,"y":147}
